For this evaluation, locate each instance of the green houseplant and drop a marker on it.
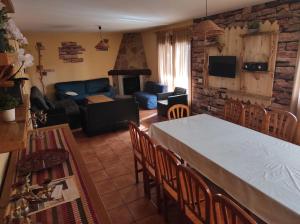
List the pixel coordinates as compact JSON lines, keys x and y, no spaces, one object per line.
{"x":253,"y":26}
{"x":6,"y":50}
{"x":5,"y":47}
{"x":8,"y":104}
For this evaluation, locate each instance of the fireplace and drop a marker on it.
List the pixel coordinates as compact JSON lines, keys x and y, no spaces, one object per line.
{"x":130,"y":71}
{"x":131,"y":85}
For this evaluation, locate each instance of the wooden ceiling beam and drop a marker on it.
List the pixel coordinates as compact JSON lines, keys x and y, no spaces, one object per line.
{"x":9,"y":6}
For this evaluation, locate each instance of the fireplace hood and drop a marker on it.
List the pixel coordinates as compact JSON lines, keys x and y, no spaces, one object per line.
{"x":131,"y":59}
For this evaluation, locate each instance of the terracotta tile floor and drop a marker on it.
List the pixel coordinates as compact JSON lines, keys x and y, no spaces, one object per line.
{"x":109,"y":160}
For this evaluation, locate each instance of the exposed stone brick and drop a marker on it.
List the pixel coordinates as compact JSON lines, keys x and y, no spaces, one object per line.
{"x":292,"y":46}
{"x":286,"y":54}
{"x":285,"y":37}
{"x":287,"y":14}
{"x":281,"y":46}
{"x":285,"y":70}
{"x":295,"y":6}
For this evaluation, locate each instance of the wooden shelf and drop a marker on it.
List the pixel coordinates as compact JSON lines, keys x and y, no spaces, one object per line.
{"x":243,"y":70}
{"x":13,"y":134}
{"x":258,"y":34}
{"x":242,"y":93}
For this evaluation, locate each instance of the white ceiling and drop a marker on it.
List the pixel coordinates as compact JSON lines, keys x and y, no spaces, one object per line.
{"x":114,"y":15}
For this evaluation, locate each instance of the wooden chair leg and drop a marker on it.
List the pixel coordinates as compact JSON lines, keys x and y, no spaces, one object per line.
{"x":158,"y":198}
{"x":146,"y":185}
{"x":165,"y":202}
{"x":136,"y":169}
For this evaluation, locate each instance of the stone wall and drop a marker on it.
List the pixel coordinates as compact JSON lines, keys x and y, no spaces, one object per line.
{"x":287,"y":15}
{"x":131,"y":52}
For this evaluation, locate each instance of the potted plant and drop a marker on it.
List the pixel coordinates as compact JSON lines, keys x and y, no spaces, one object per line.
{"x":7,"y":106}
{"x":6,"y":50}
{"x":253,"y":26}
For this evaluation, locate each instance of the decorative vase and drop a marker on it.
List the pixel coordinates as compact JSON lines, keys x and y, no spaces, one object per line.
{"x":9,"y":115}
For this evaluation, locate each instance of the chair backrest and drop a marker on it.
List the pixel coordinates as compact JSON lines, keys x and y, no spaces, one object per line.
{"x":195,"y":196}
{"x":154,"y":88}
{"x":233,"y":111}
{"x":178,"y":111}
{"x":148,"y":152}
{"x":179,"y":91}
{"x":228,"y":212}
{"x":167,"y":164}
{"x":282,"y":124}
{"x":135,"y":137}
{"x":255,"y":117}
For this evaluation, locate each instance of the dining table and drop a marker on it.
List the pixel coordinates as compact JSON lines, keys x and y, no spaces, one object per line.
{"x":259,"y":171}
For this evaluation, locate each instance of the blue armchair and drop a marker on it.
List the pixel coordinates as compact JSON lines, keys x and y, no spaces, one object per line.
{"x":148,"y":98}
{"x":166,"y":100}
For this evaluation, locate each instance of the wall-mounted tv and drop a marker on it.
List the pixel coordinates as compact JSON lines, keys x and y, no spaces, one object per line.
{"x":222,"y":66}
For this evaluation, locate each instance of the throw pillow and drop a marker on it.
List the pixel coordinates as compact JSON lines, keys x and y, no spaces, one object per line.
{"x":71,"y":93}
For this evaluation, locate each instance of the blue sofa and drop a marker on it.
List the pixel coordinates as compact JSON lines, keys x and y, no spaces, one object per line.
{"x":83,"y":89}
{"x":148,"y":98}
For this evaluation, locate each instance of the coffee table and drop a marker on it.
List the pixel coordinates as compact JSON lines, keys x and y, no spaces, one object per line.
{"x":98,"y":99}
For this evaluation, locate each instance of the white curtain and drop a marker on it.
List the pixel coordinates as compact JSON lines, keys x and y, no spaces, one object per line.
{"x":174,"y":50}
{"x":295,"y":105}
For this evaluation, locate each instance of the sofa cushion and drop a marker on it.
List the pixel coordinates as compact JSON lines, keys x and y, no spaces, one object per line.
{"x":97,"y":85}
{"x":154,"y":88}
{"x":146,"y":100}
{"x":76,"y":86}
{"x":68,"y":105}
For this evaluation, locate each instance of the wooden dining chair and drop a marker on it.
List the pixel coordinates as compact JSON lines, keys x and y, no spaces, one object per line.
{"x":168,"y":163}
{"x":233,"y":111}
{"x":150,"y":169}
{"x":178,"y":111}
{"x":137,"y":152}
{"x":227,"y":211}
{"x":195,"y":196}
{"x":255,"y":117}
{"x":282,"y":124}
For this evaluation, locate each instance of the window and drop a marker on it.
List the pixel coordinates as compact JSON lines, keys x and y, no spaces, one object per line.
{"x":174,"y":60}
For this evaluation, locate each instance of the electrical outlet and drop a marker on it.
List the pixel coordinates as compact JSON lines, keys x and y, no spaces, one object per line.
{"x":200,"y":80}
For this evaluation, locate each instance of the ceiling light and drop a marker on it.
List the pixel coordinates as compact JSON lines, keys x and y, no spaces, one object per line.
{"x":102,"y":44}
{"x":208,"y":28}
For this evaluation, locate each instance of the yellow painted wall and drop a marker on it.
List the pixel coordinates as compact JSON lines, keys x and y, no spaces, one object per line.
{"x":96,"y":63}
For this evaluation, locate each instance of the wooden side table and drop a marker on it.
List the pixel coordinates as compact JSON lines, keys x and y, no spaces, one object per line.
{"x":98,"y":99}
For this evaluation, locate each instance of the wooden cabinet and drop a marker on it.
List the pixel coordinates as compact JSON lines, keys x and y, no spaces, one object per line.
{"x":13,"y":134}
{"x":13,"y":137}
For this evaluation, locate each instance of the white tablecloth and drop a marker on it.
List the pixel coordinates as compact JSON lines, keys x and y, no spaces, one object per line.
{"x":259,"y":171}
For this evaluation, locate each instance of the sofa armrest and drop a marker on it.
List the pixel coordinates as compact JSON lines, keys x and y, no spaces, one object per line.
{"x":178,"y":99}
{"x":164,"y":96}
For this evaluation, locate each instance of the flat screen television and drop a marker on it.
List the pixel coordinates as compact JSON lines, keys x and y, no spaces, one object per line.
{"x":222,"y":66}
